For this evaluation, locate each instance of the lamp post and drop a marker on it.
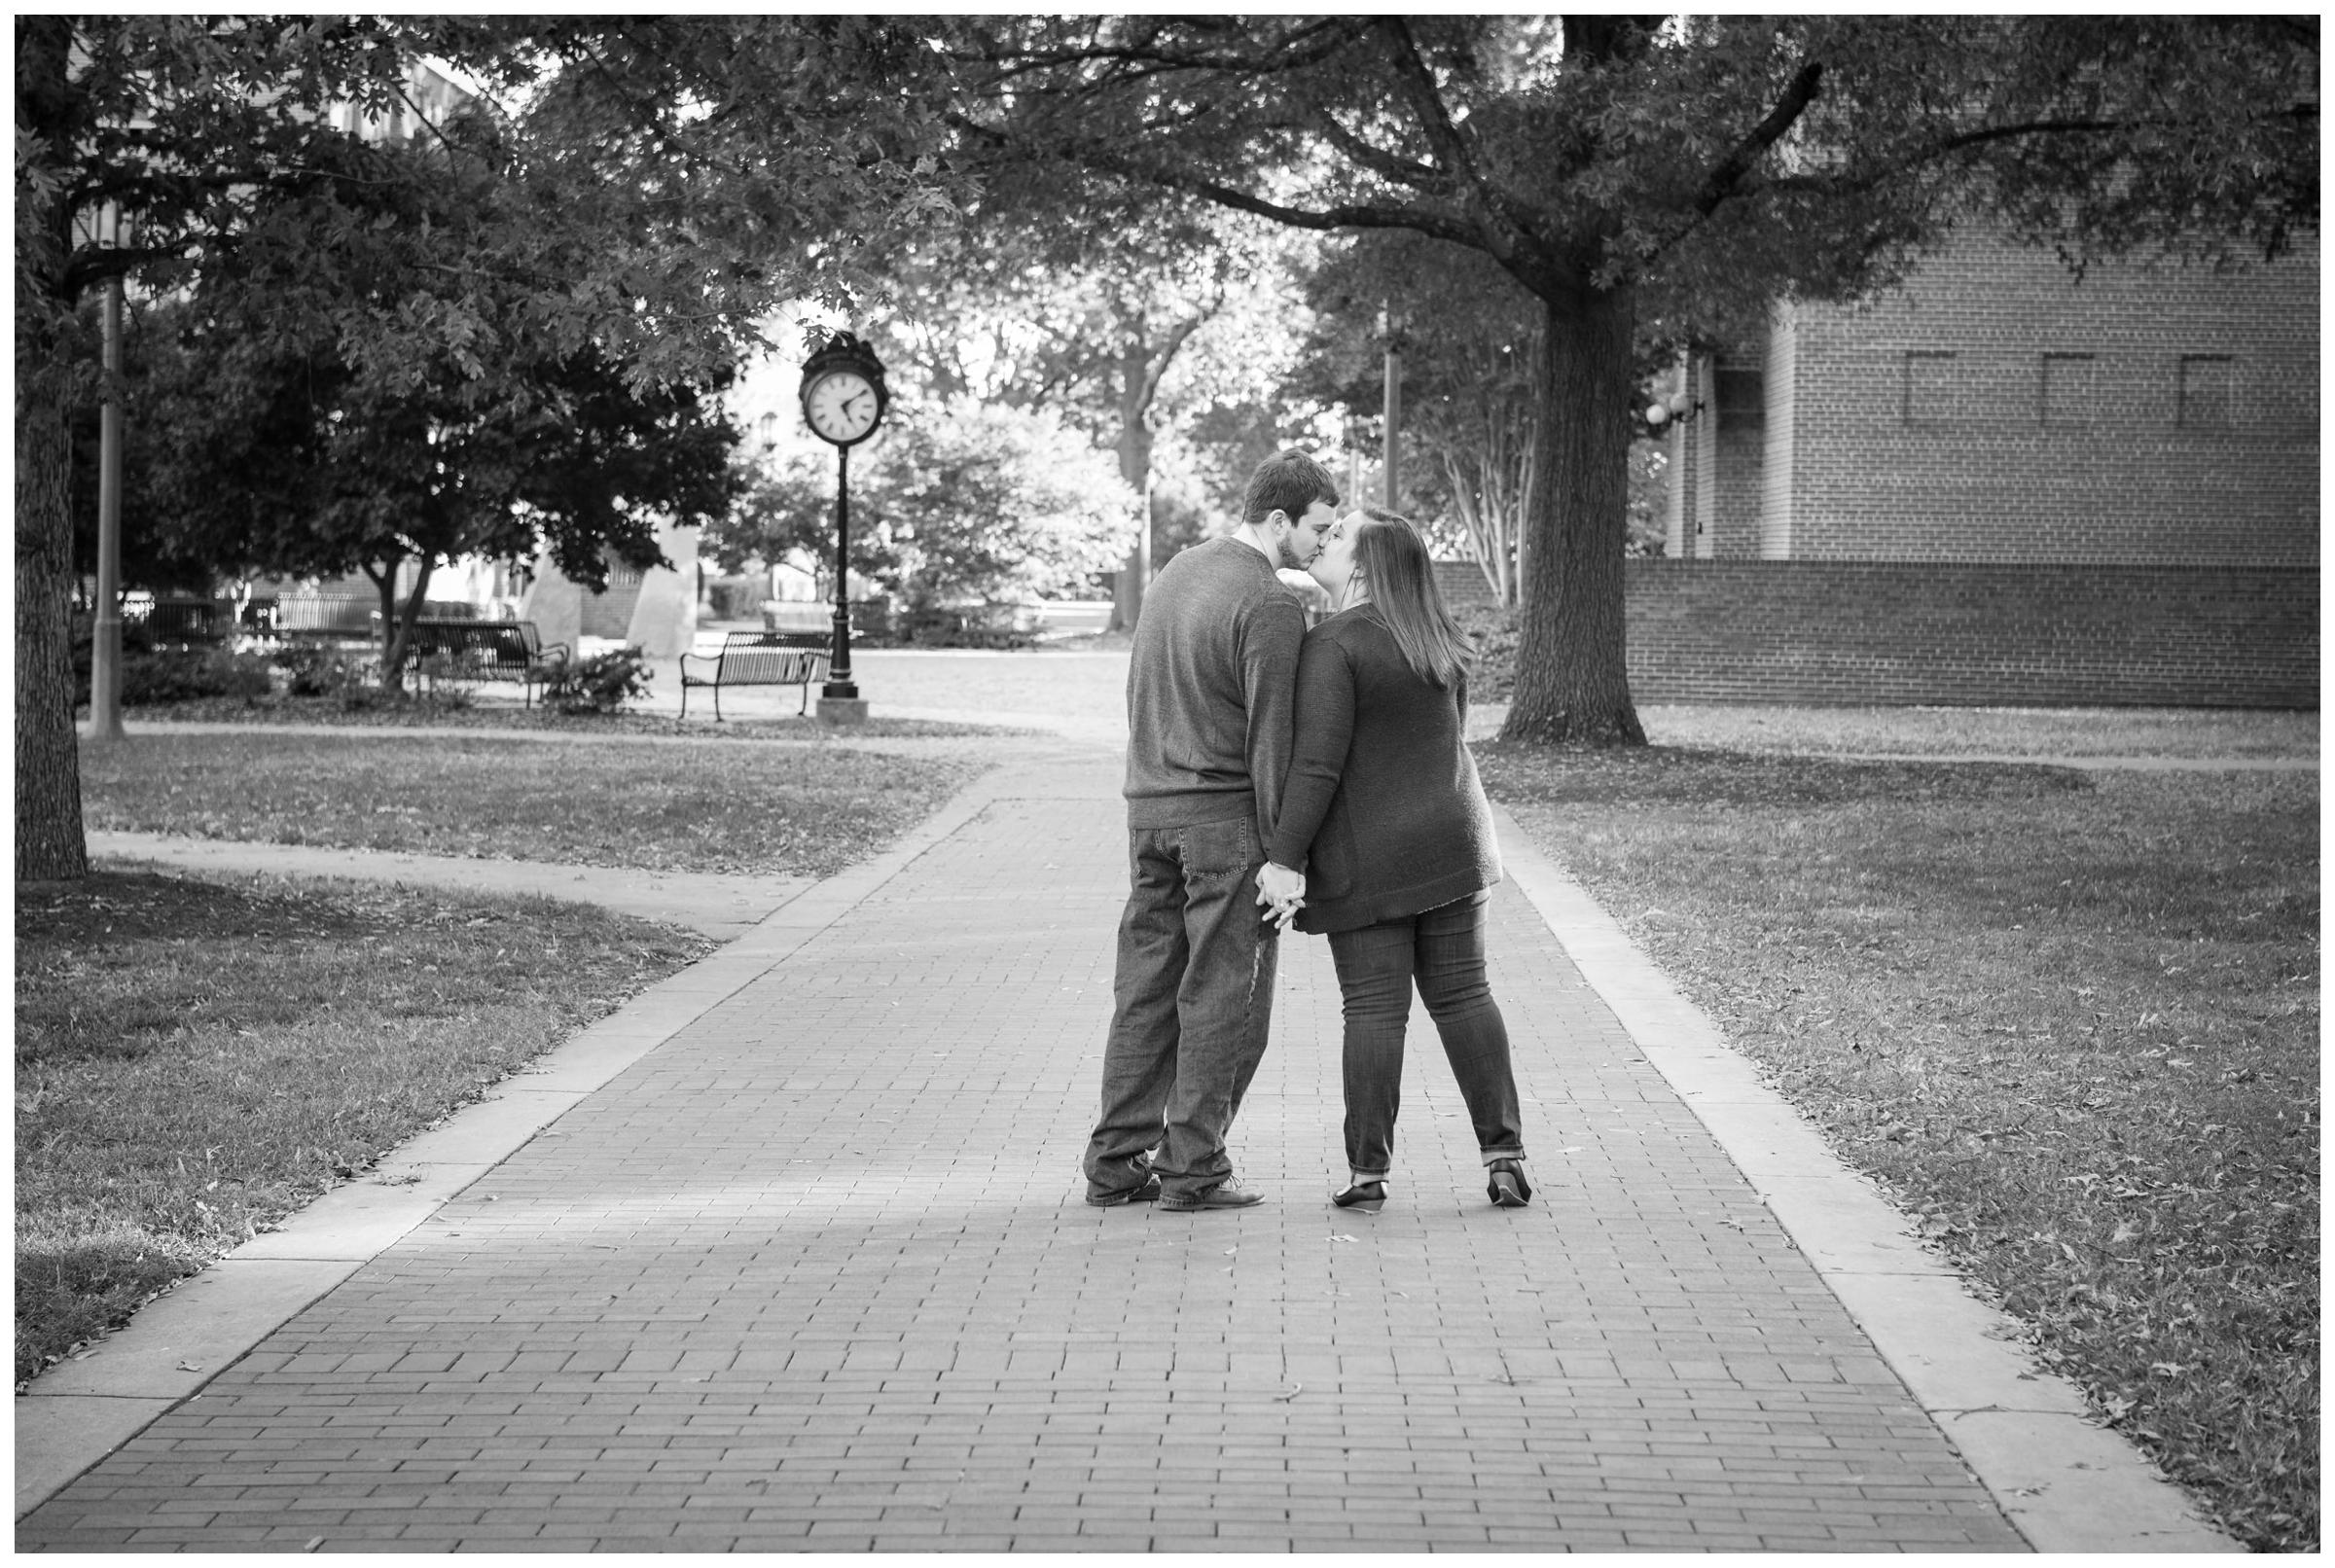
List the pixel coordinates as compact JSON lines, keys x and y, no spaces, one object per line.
{"x":843,"y":399}
{"x":105,"y":642}
{"x":1393,"y":405}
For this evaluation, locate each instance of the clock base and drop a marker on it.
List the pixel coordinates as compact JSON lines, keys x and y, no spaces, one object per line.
{"x":846,"y":710}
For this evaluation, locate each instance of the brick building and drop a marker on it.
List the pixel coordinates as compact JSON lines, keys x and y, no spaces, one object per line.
{"x":1997,"y":409}
{"x":1999,"y":484}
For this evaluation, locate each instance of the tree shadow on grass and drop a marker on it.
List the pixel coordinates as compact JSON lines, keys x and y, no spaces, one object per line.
{"x":114,"y":907}
{"x":1672,"y":775}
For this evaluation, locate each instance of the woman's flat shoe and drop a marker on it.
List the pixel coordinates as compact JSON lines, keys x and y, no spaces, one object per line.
{"x":1507,"y":1186}
{"x":1368,"y":1196}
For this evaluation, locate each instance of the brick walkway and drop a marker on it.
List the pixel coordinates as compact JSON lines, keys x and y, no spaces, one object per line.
{"x":815,"y":1274}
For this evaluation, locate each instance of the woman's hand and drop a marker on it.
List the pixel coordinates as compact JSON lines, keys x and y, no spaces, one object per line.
{"x":1282,"y":892}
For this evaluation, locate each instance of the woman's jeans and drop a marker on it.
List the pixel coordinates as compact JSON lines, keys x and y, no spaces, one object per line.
{"x":1442,"y":950}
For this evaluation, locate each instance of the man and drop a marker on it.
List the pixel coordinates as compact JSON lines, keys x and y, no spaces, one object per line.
{"x":1209,"y":690}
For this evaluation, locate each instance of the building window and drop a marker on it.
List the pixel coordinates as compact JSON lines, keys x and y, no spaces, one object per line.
{"x":2206,"y":391}
{"x":1930,"y":385}
{"x":2070,"y":388}
{"x":1742,"y":395}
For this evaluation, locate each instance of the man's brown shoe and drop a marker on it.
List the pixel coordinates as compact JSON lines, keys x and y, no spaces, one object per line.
{"x":1225,"y":1196}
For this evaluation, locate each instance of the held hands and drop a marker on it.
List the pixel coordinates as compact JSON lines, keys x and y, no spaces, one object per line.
{"x":1282,"y":892}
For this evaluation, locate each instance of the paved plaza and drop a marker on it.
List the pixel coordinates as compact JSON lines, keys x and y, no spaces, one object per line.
{"x":810,"y":1270}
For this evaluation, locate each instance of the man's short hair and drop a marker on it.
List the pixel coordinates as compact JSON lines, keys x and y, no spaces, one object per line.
{"x":1288,"y":481}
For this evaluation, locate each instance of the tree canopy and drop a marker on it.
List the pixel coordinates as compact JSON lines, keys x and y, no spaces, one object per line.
{"x":274,"y":445}
{"x":664,"y":186}
{"x":1651,"y":180}
{"x":958,"y":498}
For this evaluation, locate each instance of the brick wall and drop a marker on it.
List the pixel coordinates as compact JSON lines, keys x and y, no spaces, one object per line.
{"x":1960,"y":633}
{"x":1995,"y":409}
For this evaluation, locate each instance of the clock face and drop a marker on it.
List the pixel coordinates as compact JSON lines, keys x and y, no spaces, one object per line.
{"x":841,"y":407}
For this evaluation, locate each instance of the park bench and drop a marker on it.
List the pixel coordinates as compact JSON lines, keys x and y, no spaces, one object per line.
{"x":483,"y":651}
{"x":323,"y":617}
{"x":759,"y":659}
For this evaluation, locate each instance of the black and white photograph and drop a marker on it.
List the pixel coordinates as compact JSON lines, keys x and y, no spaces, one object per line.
{"x":1154,"y":784}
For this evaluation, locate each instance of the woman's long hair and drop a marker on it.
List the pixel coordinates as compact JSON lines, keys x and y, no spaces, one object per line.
{"x":1400,"y":580}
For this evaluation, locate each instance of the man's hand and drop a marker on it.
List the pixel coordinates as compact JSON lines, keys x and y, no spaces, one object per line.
{"x":1281,"y":891}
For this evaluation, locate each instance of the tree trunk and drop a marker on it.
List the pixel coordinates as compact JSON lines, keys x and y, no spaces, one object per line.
{"x":397,"y":624}
{"x":50,"y":841}
{"x":389,"y":678}
{"x":1136,"y":381}
{"x":1572,"y":681}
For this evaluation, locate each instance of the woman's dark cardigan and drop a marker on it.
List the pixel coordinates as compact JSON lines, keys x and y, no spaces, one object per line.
{"x":1382,"y":811}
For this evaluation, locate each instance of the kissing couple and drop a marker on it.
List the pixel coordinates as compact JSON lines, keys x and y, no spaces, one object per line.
{"x":1276,"y":776}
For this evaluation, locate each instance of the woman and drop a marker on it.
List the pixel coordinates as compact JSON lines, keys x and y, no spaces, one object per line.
{"x":1386,"y":817}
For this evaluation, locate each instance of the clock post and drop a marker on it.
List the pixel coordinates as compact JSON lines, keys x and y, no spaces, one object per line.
{"x":840,"y":688}
{"x":843,"y":399}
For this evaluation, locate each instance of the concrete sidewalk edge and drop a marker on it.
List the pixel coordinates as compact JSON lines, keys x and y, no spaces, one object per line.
{"x":720,"y":906}
{"x":2065,"y":1482}
{"x":75,"y":1415}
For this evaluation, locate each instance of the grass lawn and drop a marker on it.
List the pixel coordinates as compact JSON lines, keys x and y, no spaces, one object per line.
{"x":2185,"y":732}
{"x":700,"y":805}
{"x":196,"y":1060}
{"x":2069,"y":1018}
{"x":418,"y":711}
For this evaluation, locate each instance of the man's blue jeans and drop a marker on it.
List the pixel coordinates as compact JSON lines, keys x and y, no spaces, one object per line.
{"x":1191,"y":1005}
{"x":1442,"y":951}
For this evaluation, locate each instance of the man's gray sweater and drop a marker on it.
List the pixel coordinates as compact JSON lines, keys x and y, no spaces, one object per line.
{"x":1210,"y":690}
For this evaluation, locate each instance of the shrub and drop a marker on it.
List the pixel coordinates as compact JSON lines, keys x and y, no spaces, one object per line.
{"x":737,"y":598}
{"x":314,"y":669}
{"x":603,"y":683}
{"x":1492,"y":678}
{"x":874,"y":622}
{"x":938,"y":625}
{"x":134,"y":640}
{"x":352,"y":681}
{"x":183,"y":674}
{"x":448,"y":681}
